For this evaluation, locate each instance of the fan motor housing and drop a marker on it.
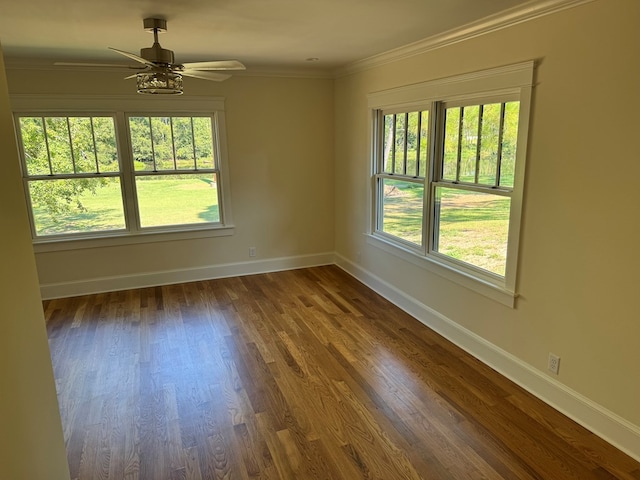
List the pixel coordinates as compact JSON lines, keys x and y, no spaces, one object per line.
{"x":157,"y":54}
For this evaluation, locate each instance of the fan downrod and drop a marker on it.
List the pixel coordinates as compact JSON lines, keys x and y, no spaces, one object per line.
{"x":156,"y":53}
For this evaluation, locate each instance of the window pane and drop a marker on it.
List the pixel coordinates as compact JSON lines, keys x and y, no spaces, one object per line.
{"x":509,"y":143}
{"x":489,"y":146}
{"x":162,"y":143}
{"x":387,"y":155}
{"x":80,"y":205}
{"x":402,"y":206}
{"x":469,"y":144}
{"x":203,"y":138}
{"x":183,"y":137}
{"x":177,"y":199}
{"x":400,"y":163}
{"x":34,"y":145}
{"x":140,"y":135}
{"x":172,"y":143}
{"x":424,"y":144}
{"x":107,"y":150}
{"x":82,"y":143}
{"x":412,"y":144}
{"x":451,"y":144}
{"x":59,"y":146}
{"x":472,"y":227}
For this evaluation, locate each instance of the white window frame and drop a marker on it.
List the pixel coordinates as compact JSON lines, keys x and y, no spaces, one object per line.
{"x":122,"y":107}
{"x":500,"y":84}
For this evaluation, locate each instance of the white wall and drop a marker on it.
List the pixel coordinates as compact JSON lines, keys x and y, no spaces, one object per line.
{"x":280,"y":144}
{"x":579,"y":259}
{"x":31,"y":441}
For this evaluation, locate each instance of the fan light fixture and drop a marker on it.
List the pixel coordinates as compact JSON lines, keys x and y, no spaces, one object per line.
{"x":164,"y":83}
{"x":159,"y":74}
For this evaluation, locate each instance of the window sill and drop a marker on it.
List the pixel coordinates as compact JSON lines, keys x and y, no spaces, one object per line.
{"x":478,"y":285}
{"x":126,"y":238}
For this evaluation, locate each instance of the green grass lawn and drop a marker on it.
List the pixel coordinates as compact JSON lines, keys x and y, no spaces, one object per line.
{"x":473,"y":226}
{"x":166,"y":200}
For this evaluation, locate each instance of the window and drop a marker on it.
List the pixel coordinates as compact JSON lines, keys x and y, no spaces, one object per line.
{"x":116,"y":174}
{"x":448,"y":172}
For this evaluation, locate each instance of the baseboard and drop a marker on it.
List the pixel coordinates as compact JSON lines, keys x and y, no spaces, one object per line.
{"x":607,"y":425}
{"x":168,"y":277}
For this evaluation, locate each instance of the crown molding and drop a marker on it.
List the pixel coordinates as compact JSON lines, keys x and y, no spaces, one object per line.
{"x":507,"y":18}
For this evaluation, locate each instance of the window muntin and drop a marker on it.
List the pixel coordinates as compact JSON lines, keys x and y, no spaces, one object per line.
{"x":76,"y":187}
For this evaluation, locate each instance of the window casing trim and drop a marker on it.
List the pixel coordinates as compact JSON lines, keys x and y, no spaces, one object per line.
{"x":112,"y":103}
{"x":120,"y":107}
{"x":497,"y":81}
{"x":500,"y":84}
{"x":120,"y":238}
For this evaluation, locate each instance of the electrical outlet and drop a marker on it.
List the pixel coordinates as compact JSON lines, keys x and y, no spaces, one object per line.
{"x":252,"y":251}
{"x":554,"y":363}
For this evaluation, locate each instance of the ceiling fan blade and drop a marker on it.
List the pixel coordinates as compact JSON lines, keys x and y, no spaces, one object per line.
{"x":82,"y":64}
{"x":215,"y":65}
{"x":216,"y":77}
{"x":133,"y":56}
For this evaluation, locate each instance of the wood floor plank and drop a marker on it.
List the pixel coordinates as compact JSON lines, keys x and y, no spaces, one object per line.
{"x":303,"y":374}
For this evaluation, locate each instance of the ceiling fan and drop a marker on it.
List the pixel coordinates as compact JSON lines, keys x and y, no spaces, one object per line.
{"x":159,"y":73}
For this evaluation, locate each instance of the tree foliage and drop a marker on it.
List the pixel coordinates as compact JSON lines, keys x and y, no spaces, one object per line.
{"x":82,"y":149}
{"x":405,"y":144}
{"x":172,"y":143}
{"x":477,"y":135}
{"x":69,"y":146}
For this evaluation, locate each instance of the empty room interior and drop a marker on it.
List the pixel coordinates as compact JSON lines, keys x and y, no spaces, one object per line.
{"x":340,"y":239}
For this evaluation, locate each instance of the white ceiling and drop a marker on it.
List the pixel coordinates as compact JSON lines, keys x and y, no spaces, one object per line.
{"x":260,"y":33}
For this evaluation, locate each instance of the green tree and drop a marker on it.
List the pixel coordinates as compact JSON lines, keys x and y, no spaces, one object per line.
{"x":480,"y":129}
{"x":154,"y":139}
{"x":79,"y":149}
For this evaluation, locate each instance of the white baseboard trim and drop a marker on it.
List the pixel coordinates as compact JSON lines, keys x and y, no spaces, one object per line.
{"x":607,"y":425}
{"x":151,"y":279}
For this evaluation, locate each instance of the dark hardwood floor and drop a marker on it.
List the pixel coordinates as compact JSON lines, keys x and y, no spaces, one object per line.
{"x":303,"y":374}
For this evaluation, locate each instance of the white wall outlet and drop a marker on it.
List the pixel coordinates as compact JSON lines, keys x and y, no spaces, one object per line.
{"x":252,"y":251}
{"x":554,"y":363}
